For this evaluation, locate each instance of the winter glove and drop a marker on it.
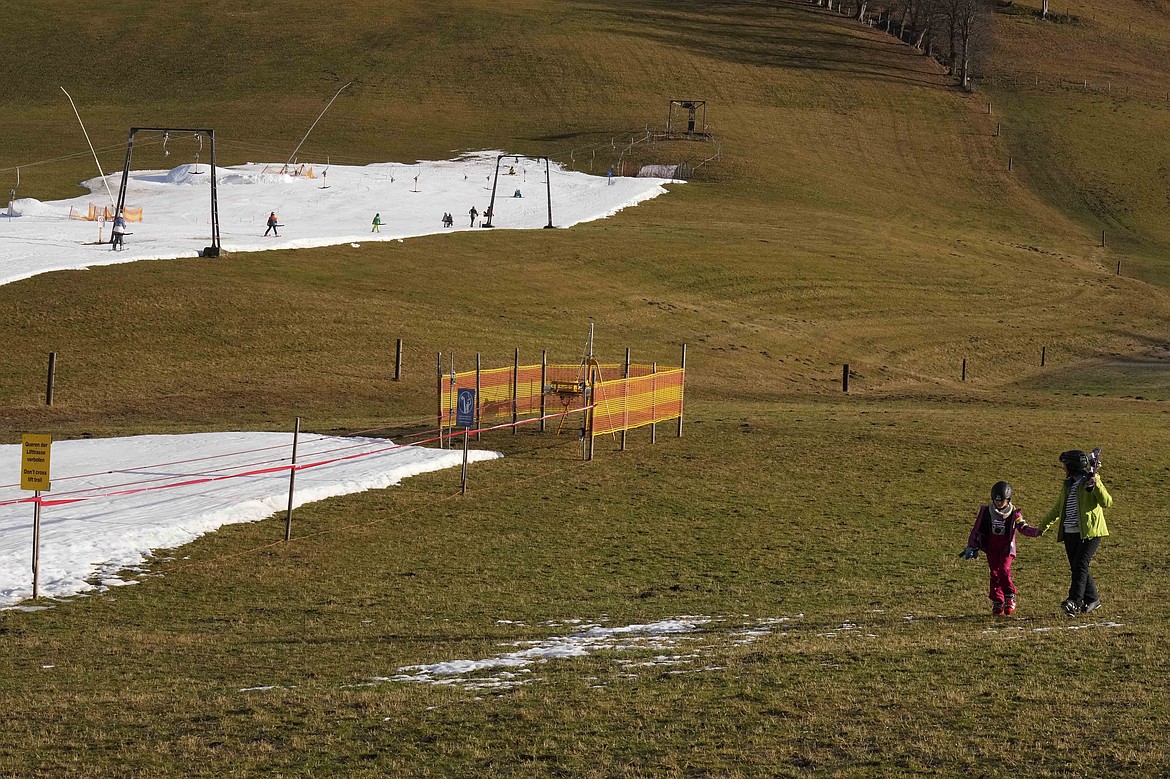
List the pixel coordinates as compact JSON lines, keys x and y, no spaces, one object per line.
{"x":970,"y":553}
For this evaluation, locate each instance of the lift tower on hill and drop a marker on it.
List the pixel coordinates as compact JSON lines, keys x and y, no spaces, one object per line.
{"x":210,"y":251}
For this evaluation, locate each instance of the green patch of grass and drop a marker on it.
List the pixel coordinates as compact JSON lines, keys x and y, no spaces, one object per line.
{"x":843,"y":517}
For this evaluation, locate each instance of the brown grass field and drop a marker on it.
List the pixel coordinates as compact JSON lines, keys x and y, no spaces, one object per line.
{"x":862,"y":212}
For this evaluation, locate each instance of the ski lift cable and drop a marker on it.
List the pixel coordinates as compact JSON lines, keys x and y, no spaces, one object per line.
{"x":66,"y":157}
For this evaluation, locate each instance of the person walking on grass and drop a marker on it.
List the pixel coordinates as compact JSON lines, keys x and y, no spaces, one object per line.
{"x":994,"y":534}
{"x":377,"y":228}
{"x":1080,"y":509}
{"x":272,"y":225}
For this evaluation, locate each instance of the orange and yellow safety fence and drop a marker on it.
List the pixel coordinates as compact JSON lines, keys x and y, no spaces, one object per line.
{"x":624,"y":404}
{"x":612,"y":401}
{"x":97,"y":213}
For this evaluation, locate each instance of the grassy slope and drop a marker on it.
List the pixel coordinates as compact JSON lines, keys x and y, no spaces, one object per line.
{"x":1086,"y":103}
{"x":862,"y":214}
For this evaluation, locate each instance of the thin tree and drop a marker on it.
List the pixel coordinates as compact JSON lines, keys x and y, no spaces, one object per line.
{"x":974,"y":28}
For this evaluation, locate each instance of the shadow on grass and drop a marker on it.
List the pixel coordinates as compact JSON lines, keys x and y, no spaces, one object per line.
{"x":1142,"y":376}
{"x":791,"y":34}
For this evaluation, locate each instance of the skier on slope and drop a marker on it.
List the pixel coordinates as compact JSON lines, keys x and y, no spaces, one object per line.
{"x":118,"y":238}
{"x":272,"y":225}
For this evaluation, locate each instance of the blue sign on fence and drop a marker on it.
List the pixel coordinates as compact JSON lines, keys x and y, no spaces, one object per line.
{"x":465,"y":411}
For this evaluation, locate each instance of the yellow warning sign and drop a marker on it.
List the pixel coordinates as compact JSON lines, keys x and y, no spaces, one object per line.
{"x":34,"y":461}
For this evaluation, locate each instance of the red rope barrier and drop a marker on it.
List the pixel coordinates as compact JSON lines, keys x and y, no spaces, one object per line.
{"x":204,"y":478}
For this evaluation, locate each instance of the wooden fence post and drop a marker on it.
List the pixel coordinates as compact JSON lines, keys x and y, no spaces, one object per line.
{"x":653,"y":401}
{"x":589,"y":419}
{"x":515,"y":389}
{"x":451,"y":408}
{"x":439,"y":398}
{"x":845,"y":377}
{"x":292,"y":481}
{"x":543,"y":385}
{"x":626,"y":413}
{"x":52,"y":379}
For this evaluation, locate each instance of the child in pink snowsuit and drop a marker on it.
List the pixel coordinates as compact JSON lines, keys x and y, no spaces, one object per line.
{"x":994,"y":533}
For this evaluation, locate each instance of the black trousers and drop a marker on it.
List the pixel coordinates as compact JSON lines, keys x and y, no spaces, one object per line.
{"x":1080,"y":553}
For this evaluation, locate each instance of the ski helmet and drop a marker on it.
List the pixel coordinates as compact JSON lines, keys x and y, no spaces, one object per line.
{"x":1001,"y":490}
{"x":1075,"y":460}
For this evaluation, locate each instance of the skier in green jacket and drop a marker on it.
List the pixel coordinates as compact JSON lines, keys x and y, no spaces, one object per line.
{"x":377,"y":228}
{"x":1081,"y":511}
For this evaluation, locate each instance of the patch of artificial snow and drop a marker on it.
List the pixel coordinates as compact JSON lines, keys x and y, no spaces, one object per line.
{"x":115,"y":501}
{"x":37,"y":237}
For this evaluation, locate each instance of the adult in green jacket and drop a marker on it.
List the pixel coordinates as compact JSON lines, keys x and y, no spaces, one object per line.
{"x":1081,"y":513}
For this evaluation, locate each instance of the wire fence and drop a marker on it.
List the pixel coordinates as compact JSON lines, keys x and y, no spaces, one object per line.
{"x":1022,"y":81}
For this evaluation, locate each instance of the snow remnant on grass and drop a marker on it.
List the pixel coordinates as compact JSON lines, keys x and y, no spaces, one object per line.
{"x":411,"y":200}
{"x":512,"y":669}
{"x":115,"y":501}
